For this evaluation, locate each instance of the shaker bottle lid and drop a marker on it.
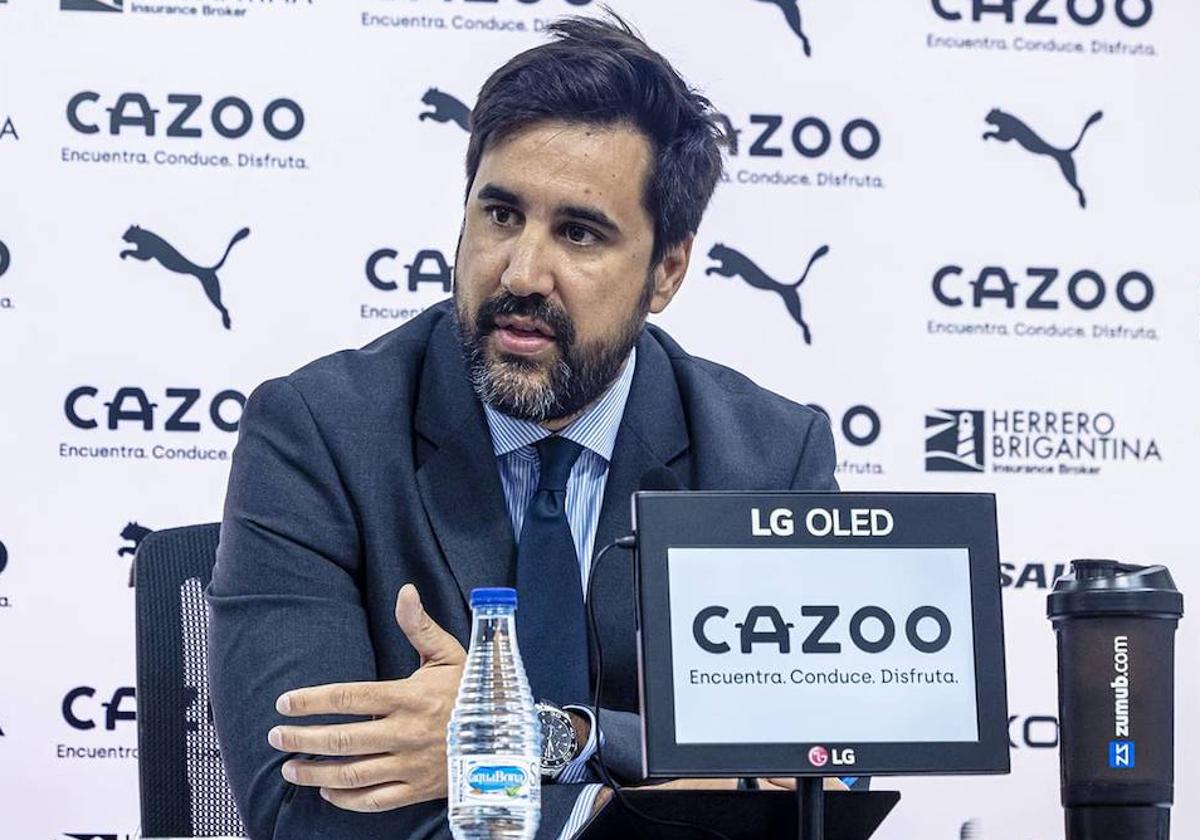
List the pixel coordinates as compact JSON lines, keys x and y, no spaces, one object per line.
{"x":495,"y":596}
{"x":1106,"y":587}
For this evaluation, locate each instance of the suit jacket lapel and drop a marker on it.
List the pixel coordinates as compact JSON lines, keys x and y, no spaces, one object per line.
{"x":652,"y":434}
{"x":458,"y":477}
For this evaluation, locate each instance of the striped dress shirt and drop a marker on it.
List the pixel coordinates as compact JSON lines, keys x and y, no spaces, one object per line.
{"x":596,"y":431}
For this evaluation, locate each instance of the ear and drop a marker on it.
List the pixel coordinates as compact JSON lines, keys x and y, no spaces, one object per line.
{"x":669,"y":273}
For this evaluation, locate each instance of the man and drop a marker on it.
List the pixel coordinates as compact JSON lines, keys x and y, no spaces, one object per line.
{"x":492,"y":442}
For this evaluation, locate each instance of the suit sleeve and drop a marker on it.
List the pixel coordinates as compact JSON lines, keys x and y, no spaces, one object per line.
{"x":818,"y":460}
{"x":285,"y":612}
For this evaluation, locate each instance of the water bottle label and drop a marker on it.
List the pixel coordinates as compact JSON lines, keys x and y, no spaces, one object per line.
{"x":494,"y":780}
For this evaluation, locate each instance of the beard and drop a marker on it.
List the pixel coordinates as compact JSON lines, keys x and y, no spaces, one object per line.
{"x":550,"y":389}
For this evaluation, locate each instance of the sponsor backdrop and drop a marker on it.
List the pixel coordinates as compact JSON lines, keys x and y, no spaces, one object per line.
{"x":964,"y":229}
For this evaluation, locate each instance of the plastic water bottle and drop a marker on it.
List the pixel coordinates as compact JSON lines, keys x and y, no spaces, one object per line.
{"x":493,"y":742}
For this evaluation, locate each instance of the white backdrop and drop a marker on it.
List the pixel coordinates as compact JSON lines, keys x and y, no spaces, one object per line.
{"x":890,"y":350}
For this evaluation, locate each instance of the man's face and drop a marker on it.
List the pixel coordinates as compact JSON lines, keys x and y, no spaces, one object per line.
{"x":552,"y":277}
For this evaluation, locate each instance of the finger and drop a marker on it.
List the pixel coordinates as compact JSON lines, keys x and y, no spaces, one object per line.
{"x":435,"y":645}
{"x":372,"y":800}
{"x":783,"y":783}
{"x":365,"y":738}
{"x":356,"y":698}
{"x":344,"y":775}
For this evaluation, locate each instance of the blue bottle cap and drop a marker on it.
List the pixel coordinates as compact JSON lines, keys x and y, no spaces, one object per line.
{"x":494,"y":596}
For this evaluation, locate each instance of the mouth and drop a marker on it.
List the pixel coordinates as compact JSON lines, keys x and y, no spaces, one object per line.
{"x":523,"y":336}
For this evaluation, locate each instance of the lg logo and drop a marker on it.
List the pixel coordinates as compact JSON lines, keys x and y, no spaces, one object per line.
{"x":811,"y":137}
{"x":1132,"y":13}
{"x":856,"y":522}
{"x":132,"y":406}
{"x":80,"y":710}
{"x":1085,"y":289}
{"x":818,"y":756}
{"x":231,"y":117}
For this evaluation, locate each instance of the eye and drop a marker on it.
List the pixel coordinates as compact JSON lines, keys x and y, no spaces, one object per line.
{"x":502,"y":215}
{"x":579,"y":234}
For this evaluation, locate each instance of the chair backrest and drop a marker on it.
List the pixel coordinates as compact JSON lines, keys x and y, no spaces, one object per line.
{"x":184,"y":792}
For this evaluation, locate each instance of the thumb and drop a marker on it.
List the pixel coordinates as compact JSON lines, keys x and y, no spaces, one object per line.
{"x":435,"y":645}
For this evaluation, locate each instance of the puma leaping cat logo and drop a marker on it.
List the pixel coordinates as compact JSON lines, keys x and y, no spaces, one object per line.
{"x":445,"y":108}
{"x":1009,"y":127}
{"x":150,"y":246}
{"x":791,"y":12}
{"x":733,"y":263}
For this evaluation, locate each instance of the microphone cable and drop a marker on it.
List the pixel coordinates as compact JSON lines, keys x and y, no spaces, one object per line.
{"x":628,"y":543}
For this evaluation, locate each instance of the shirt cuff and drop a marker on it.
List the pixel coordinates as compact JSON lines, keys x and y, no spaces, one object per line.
{"x":582,"y":811}
{"x":575,"y":770}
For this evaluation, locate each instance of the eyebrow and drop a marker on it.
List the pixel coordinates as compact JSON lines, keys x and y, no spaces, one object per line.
{"x":492,"y":192}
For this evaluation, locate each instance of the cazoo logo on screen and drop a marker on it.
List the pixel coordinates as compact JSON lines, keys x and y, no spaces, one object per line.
{"x":161,"y":129}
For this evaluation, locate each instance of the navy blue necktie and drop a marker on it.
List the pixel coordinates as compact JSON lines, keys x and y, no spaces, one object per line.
{"x":550,"y":618}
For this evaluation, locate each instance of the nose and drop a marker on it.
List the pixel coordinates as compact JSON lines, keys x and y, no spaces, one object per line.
{"x":529,"y":270}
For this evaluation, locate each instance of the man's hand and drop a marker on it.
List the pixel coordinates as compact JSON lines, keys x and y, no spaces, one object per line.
{"x":397,"y":759}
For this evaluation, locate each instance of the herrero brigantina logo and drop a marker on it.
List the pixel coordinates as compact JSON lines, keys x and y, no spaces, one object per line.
{"x":1031,"y":441}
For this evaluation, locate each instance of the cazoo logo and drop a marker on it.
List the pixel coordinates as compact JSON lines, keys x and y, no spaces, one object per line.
{"x":180,"y":410}
{"x":765,"y":135}
{"x":1044,"y":287}
{"x":428,"y":265}
{"x":1131,"y":13}
{"x":184,"y":115}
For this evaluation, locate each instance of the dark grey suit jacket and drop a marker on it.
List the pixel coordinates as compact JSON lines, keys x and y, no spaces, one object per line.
{"x":373,"y":468}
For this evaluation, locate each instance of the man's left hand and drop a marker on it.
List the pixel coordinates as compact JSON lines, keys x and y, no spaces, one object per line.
{"x":397,"y":759}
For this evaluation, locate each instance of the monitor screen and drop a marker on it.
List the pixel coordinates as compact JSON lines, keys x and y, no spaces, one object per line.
{"x":783,"y":645}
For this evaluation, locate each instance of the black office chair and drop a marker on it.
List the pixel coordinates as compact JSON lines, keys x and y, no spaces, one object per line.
{"x":184,"y":792}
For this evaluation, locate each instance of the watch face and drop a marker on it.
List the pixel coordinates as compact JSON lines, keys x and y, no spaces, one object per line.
{"x":558,"y":738}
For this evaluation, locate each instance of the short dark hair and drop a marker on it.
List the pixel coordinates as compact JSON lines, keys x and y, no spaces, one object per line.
{"x":601,"y":72}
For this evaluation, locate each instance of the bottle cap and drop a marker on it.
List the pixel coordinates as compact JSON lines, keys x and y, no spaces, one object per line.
{"x":493,"y":596}
{"x":1107,"y":587}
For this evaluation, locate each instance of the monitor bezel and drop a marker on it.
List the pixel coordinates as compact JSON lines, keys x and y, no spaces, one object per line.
{"x":716,"y":519}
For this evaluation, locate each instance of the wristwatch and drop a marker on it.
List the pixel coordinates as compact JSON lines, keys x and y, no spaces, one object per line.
{"x":560,"y":743}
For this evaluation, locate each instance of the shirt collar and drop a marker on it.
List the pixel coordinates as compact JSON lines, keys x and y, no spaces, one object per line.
{"x":595,"y":429}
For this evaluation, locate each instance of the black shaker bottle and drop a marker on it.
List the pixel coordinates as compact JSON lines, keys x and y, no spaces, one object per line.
{"x":1115,"y":625}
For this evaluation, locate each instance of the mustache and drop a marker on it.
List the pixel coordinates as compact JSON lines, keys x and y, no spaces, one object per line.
{"x":537,"y":307}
